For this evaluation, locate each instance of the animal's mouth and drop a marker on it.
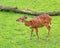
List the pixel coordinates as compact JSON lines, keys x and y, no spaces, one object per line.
{"x":17,"y":20}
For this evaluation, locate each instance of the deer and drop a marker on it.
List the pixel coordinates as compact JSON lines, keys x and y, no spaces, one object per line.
{"x":37,"y":22}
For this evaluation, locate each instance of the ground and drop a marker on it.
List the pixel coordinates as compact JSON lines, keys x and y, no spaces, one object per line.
{"x":15,"y":35}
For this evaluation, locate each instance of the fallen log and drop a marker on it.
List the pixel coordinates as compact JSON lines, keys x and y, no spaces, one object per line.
{"x":26,"y":11}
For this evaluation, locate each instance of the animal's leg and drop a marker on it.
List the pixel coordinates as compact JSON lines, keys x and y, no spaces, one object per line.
{"x":48,"y":28}
{"x":31,"y":34}
{"x":37,"y":34}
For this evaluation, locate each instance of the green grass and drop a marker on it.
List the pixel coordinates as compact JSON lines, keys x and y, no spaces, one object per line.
{"x":41,"y":6}
{"x":16,"y":35}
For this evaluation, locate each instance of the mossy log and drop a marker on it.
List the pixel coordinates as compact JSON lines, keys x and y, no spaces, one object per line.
{"x":26,"y":11}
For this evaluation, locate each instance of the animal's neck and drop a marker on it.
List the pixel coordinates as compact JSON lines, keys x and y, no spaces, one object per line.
{"x":26,"y":23}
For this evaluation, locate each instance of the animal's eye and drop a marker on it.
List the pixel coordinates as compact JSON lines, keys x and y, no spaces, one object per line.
{"x":26,"y":17}
{"x":19,"y":18}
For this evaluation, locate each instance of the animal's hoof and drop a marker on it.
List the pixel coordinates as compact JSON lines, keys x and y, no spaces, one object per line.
{"x":30,"y":38}
{"x":47,"y":39}
{"x":38,"y":40}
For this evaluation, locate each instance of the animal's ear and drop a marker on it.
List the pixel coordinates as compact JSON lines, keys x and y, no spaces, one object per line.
{"x":25,"y":17}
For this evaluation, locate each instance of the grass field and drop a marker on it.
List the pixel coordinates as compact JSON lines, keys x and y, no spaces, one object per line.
{"x":16,"y":35}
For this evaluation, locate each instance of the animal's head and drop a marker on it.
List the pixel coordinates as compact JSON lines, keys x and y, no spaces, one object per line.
{"x":21,"y":19}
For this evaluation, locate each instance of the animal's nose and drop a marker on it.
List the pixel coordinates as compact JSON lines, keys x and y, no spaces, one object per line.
{"x":16,"y":20}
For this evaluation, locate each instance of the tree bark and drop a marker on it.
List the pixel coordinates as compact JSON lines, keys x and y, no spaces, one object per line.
{"x":26,"y":11}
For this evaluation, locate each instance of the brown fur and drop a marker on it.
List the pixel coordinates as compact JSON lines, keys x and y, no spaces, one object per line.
{"x":35,"y":23}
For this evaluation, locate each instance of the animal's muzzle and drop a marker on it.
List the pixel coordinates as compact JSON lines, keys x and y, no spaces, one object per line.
{"x":16,"y":20}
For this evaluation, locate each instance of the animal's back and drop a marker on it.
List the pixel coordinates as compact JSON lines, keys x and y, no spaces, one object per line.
{"x":40,"y":20}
